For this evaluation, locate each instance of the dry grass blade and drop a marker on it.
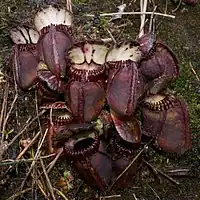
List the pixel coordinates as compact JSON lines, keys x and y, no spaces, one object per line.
{"x":132,"y":13}
{"x":178,"y":6}
{"x":19,"y":194}
{"x":51,"y":114}
{"x":4,"y":118}
{"x":49,"y":185}
{"x":132,"y":1}
{"x":8,"y":114}
{"x":69,"y":5}
{"x":109,"y":197}
{"x":38,"y":152}
{"x":37,"y":110}
{"x":13,"y":162}
{"x":60,"y":193}
{"x":131,"y":163}
{"x":25,"y":127}
{"x":166,"y":1}
{"x":40,"y":143}
{"x":26,"y":148}
{"x":135,"y":196}
{"x":51,"y":165}
{"x":112,"y":37}
{"x":3,"y":148}
{"x":12,"y":105}
{"x":162,"y":173}
{"x":143,"y":8}
{"x":155,"y":193}
{"x":107,"y":40}
{"x":192,"y":68}
{"x":151,"y":27}
{"x":178,"y":172}
{"x":42,"y":189}
{"x":4,"y":106}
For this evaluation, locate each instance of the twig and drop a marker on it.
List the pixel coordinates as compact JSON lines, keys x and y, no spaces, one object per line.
{"x":141,"y":29}
{"x":69,"y":5}
{"x":107,"y":40}
{"x":36,"y":183}
{"x":113,"y":39}
{"x":23,"y":130}
{"x":41,"y":141}
{"x":179,"y":4}
{"x":135,"y":196}
{"x":37,"y":110}
{"x":131,"y":163}
{"x":38,"y":152}
{"x":13,"y":162}
{"x":60,"y":193}
{"x":34,"y":169}
{"x":17,"y":93}
{"x":4,"y":106}
{"x":178,"y":172}
{"x":26,"y":148}
{"x":143,"y":8}
{"x":155,"y":193}
{"x":162,"y":173}
{"x":132,"y":13}
{"x":192,"y":68}
{"x":50,"y":116}
{"x":133,"y":1}
{"x":8,"y":114}
{"x":151,"y":20}
{"x":42,"y":189}
{"x":165,"y":6}
{"x":109,"y":197}
{"x":3,"y":148}
{"x":19,"y":193}
{"x":49,"y":185}
{"x":121,"y":32}
{"x":51,"y":165}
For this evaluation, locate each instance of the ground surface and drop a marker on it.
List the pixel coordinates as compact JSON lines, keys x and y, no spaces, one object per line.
{"x":182,"y":34}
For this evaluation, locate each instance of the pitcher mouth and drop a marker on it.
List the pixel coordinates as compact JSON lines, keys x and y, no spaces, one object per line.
{"x":82,"y":145}
{"x":58,"y":113}
{"x":159,"y":102}
{"x":87,"y":60}
{"x":123,"y":147}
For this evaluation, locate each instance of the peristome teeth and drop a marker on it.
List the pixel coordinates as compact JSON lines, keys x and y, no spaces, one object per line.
{"x":154,"y":98}
{"x":64,"y":116}
{"x":126,"y":51}
{"x":53,"y":16}
{"x":22,"y":35}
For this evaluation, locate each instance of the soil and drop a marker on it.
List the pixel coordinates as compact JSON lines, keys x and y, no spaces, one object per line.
{"x":181,"y":34}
